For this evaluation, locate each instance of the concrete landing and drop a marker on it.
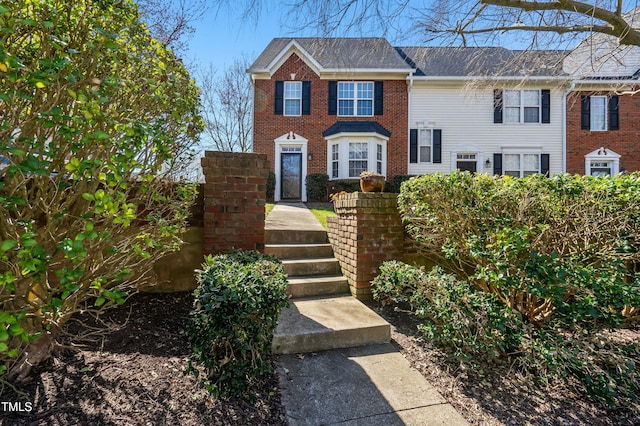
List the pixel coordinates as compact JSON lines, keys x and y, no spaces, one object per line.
{"x":367,"y":386}
{"x":327,"y":323}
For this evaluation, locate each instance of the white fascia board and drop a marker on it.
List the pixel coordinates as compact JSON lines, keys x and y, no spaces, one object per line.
{"x":293,"y":47}
{"x":490,"y":78}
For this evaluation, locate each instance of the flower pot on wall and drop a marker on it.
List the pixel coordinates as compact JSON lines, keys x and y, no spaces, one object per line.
{"x":374,"y":183}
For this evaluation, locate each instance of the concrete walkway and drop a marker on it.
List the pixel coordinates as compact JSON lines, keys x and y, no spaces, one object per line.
{"x":368,"y":386}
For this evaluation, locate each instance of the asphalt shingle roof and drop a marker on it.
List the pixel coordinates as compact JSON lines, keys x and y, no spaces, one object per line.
{"x":482,"y":61}
{"x":338,"y":53}
{"x":356,"y":127}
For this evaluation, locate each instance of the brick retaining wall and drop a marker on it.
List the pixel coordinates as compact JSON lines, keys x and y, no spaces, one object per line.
{"x":366,"y":232}
{"x":234,"y":199}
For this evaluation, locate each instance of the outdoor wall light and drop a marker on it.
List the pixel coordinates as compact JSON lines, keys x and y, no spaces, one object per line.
{"x":310,"y":156}
{"x":487,"y":163}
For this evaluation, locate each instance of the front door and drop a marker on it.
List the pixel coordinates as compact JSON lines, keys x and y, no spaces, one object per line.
{"x":291,"y":176}
{"x":467,"y":163}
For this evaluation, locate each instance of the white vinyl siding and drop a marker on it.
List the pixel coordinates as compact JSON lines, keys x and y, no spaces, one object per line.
{"x":466,"y":118}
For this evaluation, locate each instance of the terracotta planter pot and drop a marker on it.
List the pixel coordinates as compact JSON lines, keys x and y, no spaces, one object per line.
{"x":372,"y":183}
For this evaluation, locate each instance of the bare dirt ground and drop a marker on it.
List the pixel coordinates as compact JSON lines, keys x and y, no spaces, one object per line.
{"x":133,"y":375}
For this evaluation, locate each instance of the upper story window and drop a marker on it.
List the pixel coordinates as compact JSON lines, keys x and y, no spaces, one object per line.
{"x":522,"y":106}
{"x":599,"y":113}
{"x":598,"y":116}
{"x":355,"y":99}
{"x":292,"y":98}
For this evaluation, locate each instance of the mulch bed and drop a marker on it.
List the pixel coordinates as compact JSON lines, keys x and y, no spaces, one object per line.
{"x":134,"y":375}
{"x":495,"y":395}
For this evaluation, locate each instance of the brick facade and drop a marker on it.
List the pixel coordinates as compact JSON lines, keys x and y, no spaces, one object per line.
{"x":234,"y":199}
{"x":625,"y":141}
{"x":366,"y":232}
{"x":269,"y":126}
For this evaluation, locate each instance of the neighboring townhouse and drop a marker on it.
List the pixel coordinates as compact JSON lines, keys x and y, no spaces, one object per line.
{"x":486,"y":110}
{"x":603,"y":112}
{"x":346,"y":105}
{"x":335,"y":106}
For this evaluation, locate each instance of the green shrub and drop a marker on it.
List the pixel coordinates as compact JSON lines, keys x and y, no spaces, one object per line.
{"x":317,"y":186}
{"x":231,"y":326}
{"x":97,"y":119}
{"x":546,"y":262}
{"x":345,"y":185}
{"x":467,"y":322}
{"x":396,"y":182}
{"x":271,"y":186}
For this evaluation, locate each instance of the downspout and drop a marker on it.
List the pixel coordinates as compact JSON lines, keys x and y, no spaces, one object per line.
{"x":410,"y":87}
{"x":564,"y":125}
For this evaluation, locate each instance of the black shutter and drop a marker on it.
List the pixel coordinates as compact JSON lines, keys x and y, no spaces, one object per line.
{"x":377,"y":97}
{"x":437,"y":146}
{"x":546,"y":106}
{"x":544,"y":164}
{"x":497,"y":164}
{"x":333,"y":98}
{"x":497,"y":106}
{"x":413,"y":146}
{"x":306,"y":98}
{"x":614,"y":120}
{"x":279,"y":98}
{"x":585,"y":113}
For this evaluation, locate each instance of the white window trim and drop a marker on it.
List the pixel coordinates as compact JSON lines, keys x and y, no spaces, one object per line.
{"x":420,"y":130}
{"x":285,"y":98}
{"x":343,"y":140}
{"x":468,"y":149}
{"x":290,"y":139}
{"x":522,"y":106}
{"x":355,"y":98}
{"x":601,"y":155}
{"x":522,"y":152}
{"x":592,"y":115}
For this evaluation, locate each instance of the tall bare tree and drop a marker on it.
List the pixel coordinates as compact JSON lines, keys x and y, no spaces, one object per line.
{"x":226,"y":107}
{"x":171,"y":21}
{"x":474,"y":22}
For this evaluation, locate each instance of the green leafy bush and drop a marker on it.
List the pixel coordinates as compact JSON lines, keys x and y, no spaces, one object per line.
{"x":467,"y":322}
{"x":97,"y":120}
{"x":271,"y":185}
{"x":231,"y":326}
{"x":345,"y":185}
{"x":317,"y":186}
{"x":549,"y":266}
{"x":396,"y":182}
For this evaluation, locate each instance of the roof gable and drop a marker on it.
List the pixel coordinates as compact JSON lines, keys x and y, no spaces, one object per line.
{"x":332,"y":55}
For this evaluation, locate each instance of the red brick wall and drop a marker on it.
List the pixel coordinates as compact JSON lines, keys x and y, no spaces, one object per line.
{"x":234,"y":198}
{"x":366,"y":232}
{"x":625,"y":141}
{"x":268,"y":126}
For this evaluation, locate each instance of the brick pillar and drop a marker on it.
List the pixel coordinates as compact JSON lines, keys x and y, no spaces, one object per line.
{"x":366,"y":232}
{"x":234,"y":197}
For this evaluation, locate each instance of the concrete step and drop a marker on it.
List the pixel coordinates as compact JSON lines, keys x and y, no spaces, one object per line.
{"x":317,"y":286}
{"x":298,"y":251}
{"x":317,"y":324}
{"x":307,"y":267}
{"x":288,"y":236}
